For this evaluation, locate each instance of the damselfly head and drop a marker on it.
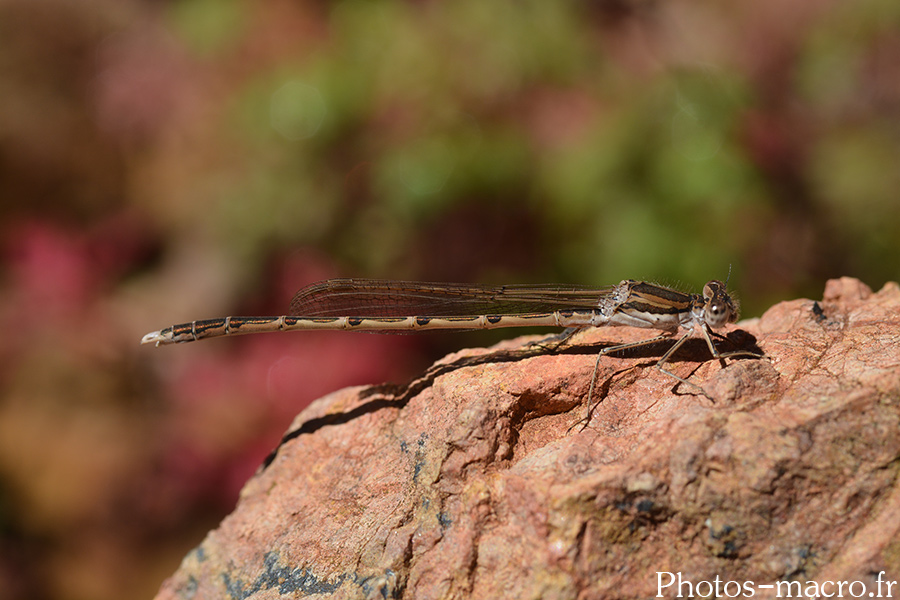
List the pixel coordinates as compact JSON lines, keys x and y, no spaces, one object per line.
{"x":720,"y":307}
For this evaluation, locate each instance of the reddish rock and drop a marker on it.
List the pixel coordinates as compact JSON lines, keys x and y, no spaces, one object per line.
{"x":469,"y":483}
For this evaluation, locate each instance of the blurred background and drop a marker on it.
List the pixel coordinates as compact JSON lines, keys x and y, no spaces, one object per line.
{"x":164,"y":161}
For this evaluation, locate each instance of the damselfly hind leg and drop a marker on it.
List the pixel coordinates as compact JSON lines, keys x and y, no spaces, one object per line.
{"x":609,"y":350}
{"x":660,"y":364}
{"x":587,"y":415}
{"x":552,"y":343}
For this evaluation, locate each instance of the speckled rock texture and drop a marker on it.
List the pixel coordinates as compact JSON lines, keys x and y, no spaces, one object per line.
{"x":478,"y":481}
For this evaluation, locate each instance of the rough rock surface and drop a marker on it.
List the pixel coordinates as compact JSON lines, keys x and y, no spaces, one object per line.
{"x":469,"y":483}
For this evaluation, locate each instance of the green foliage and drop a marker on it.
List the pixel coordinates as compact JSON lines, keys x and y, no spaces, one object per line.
{"x":405,"y":115}
{"x":207,"y":26}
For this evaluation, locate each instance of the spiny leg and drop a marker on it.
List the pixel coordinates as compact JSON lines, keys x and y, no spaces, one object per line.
{"x":707,"y":334}
{"x":670,"y":352}
{"x":554,"y":342}
{"x":660,"y":363}
{"x":716,"y":354}
{"x":600,"y":354}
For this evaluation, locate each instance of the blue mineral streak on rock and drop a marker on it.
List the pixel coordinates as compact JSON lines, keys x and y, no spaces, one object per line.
{"x":296,"y":580}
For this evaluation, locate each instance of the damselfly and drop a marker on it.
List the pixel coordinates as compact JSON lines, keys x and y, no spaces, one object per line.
{"x":397,"y":306}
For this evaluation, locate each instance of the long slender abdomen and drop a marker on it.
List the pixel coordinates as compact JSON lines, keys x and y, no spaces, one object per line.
{"x":207,"y":328}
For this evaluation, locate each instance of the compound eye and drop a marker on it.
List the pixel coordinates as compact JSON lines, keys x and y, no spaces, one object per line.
{"x":718,"y":313}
